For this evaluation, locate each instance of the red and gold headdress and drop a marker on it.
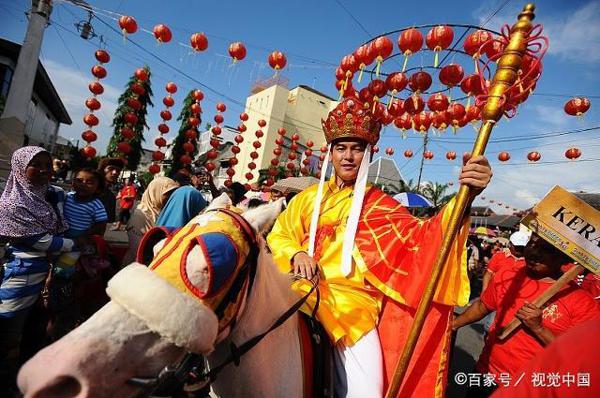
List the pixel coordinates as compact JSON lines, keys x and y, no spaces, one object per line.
{"x":351,"y":119}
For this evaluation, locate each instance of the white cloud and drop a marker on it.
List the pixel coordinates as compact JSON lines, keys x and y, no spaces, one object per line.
{"x":72,"y":86}
{"x":551,"y":116}
{"x":573,"y":35}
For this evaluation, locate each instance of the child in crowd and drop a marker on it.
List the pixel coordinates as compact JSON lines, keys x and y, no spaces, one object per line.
{"x":32,"y":224}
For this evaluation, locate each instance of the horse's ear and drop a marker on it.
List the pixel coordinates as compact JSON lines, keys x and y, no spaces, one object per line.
{"x":220,"y":201}
{"x":263,"y":217}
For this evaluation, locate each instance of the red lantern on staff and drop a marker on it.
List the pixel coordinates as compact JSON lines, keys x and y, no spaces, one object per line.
{"x":383,"y":47}
{"x":572,"y":153}
{"x":409,"y":42}
{"x":451,"y":155}
{"x":408,"y":153}
{"x":504,"y":156}
{"x":128,"y":24}
{"x":439,"y":38}
{"x":162,"y":33}
{"x":534,"y":156}
{"x":451,"y":75}
{"x":277,"y":60}
{"x":471,"y":85}
{"x":199,"y":42}
{"x":237,"y":51}
{"x":475,"y":42}
{"x":577,"y":106}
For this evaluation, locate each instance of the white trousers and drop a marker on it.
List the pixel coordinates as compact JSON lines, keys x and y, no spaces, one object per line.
{"x":359,"y":369}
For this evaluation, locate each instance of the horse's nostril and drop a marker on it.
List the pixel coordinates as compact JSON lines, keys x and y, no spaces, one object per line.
{"x":63,"y":386}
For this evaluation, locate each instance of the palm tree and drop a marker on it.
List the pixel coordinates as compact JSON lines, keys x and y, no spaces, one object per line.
{"x":436,"y":193}
{"x":409,"y":186}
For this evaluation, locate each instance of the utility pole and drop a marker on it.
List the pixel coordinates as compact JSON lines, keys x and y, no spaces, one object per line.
{"x":12,"y":123}
{"x":425,"y":141}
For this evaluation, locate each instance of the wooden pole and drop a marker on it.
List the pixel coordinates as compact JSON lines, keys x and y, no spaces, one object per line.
{"x":543,"y":298}
{"x":505,"y":76}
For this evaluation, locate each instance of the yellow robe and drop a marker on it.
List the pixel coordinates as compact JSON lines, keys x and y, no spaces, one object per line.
{"x":349,"y":306}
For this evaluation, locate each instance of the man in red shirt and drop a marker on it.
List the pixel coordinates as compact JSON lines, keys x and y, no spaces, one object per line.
{"x":510,"y":293}
{"x":507,"y":257}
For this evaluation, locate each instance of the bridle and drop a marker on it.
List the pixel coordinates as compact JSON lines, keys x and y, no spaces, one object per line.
{"x":191,"y":372}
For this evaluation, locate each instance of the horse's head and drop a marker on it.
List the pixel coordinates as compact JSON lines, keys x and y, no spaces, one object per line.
{"x":186,"y":300}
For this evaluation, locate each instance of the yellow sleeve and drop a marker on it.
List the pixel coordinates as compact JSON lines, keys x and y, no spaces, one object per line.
{"x":290,"y":232}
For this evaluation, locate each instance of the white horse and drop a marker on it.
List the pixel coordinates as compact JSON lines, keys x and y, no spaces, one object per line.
{"x":149,"y":324}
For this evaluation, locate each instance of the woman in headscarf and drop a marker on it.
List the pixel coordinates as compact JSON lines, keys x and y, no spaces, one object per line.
{"x":183,"y":205}
{"x":147,"y":211}
{"x":31,"y":222}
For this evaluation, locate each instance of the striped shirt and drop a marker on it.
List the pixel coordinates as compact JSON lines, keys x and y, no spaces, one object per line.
{"x":81,"y":216}
{"x":26,"y":266}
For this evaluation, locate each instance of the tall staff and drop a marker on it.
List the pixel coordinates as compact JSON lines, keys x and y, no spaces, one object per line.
{"x":505,"y":76}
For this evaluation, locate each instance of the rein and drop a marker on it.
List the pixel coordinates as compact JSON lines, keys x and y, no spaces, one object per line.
{"x":191,"y":372}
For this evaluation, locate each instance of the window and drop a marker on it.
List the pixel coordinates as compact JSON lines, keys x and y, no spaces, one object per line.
{"x":6,"y":74}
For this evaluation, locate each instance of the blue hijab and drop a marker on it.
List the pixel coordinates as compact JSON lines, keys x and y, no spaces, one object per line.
{"x":184,"y":204}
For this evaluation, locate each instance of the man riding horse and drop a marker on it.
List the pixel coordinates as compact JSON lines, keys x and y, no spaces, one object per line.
{"x":373,"y":260}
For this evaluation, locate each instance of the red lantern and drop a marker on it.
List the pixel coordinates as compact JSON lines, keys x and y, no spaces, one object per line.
{"x":98,"y":71}
{"x":218,"y":118}
{"x":96,"y":88}
{"x":440,"y":120}
{"x":241,"y":128}
{"x":428,"y":155}
{"x":572,"y":153}
{"x":189,"y":147}
{"x":190,"y":134}
{"x":128,"y":24}
{"x":88,"y":151}
{"x":389,"y":151}
{"x":134,"y":104}
{"x":162,"y":33}
{"x":160,"y":142}
{"x":277,"y":60}
{"x":383,"y":47}
{"x":89,"y":136}
{"x":102,"y":56}
{"x":451,"y":155}
{"x":439,"y":38}
{"x":199,"y":42}
{"x":168,"y":101}
{"x":92,"y":104}
{"x":410,"y":41}
{"x":137,"y":89}
{"x":420,"y":81}
{"x":473,"y":113}
{"x":158,"y":156}
{"x":124,"y":147}
{"x":438,"y":102}
{"x":171,"y":88}
{"x":221,"y":107}
{"x":471,"y":85}
{"x":422,"y":121}
{"x":349,"y":65}
{"x":215,"y":143}
{"x":252,"y":165}
{"x":279,"y":141}
{"x":277,"y":151}
{"x":130,"y":118}
{"x":378,"y":88}
{"x":165,"y":115}
{"x":237,"y":51}
{"x":141,"y":74}
{"x":414,"y":104}
{"x":291,"y":166}
{"x":404,"y":122}
{"x":127,"y":133}
{"x":198,"y":95}
{"x":256,"y":144}
{"x":475,"y":41}
{"x":396,"y":82}
{"x":238,"y":139}
{"x":504,"y":156}
{"x":295,"y":137}
{"x":375,"y":149}
{"x":193,"y":121}
{"x":577,"y":106}
{"x":235,"y":149}
{"x":249,"y":176}
{"x":91,"y":120}
{"x":274,"y":162}
{"x":451,"y":75}
{"x":493,"y":49}
{"x":259,"y":134}
{"x":262,"y":123}
{"x":292,"y":156}
{"x":185,"y":159}
{"x":154,"y":169}
{"x":230,"y":172}
{"x":195,"y":108}
{"x":534,"y":156}
{"x":396,"y":107}
{"x":163,"y":128}
{"x":456,"y":112}
{"x":254,"y":155}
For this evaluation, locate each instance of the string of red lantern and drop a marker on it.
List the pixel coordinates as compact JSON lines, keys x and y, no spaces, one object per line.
{"x":307,"y":155}
{"x":92,"y":103}
{"x":254,"y":154}
{"x":323,"y":151}
{"x":216,"y":131}
{"x":233,"y":161}
{"x":163,"y":129}
{"x":273,"y":172}
{"x":292,"y":156}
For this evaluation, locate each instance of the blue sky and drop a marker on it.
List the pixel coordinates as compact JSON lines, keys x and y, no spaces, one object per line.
{"x":315,"y":35}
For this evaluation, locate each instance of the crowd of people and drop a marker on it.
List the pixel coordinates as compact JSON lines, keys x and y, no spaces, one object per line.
{"x":56,"y":264}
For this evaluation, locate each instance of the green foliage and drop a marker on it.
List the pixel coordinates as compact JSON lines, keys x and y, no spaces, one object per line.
{"x":410,"y":186}
{"x":177,"y":150}
{"x":133,"y":158}
{"x":436,"y":193}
